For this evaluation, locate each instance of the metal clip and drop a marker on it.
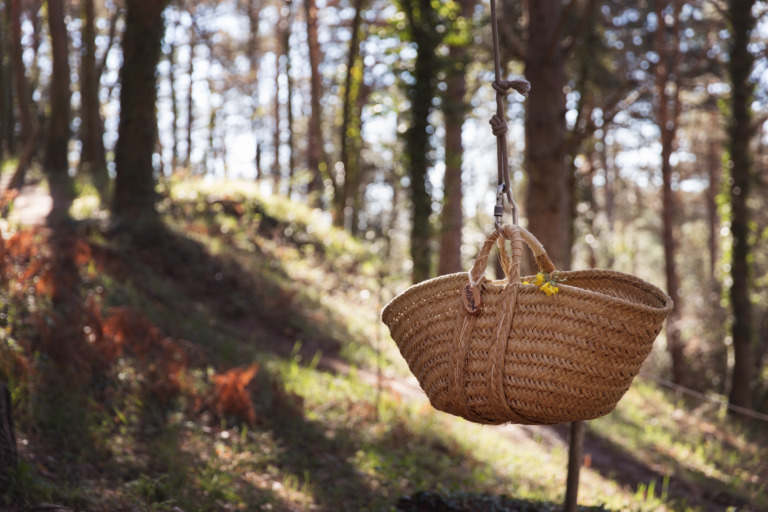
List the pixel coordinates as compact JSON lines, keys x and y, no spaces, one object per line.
{"x":498,"y":210}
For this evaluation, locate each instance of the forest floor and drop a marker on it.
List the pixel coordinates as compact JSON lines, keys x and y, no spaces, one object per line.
{"x":235,"y":361}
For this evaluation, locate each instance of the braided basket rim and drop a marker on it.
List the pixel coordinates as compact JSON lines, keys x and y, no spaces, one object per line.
{"x":665,"y":302}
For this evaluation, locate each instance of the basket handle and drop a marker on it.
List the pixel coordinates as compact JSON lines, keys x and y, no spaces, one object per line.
{"x":511,"y":263}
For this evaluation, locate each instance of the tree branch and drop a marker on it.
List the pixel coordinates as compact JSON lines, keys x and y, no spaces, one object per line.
{"x":101,"y":65}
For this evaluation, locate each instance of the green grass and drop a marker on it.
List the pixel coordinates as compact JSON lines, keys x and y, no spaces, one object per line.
{"x":274,"y":285}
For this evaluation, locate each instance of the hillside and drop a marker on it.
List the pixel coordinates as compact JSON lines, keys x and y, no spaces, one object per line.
{"x":236,"y":361}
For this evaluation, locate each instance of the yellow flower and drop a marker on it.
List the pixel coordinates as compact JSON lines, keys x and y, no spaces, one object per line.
{"x":539,"y":279}
{"x":526,"y":282}
{"x":549,"y":289}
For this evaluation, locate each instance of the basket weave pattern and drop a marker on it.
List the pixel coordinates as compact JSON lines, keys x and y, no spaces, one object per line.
{"x":527,"y":357}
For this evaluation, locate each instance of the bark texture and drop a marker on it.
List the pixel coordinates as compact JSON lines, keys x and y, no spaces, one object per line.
{"x":668,"y":111}
{"x":548,"y":201}
{"x":315,"y":157}
{"x":93,"y":159}
{"x":135,"y":196}
{"x":454,"y":112}
{"x":422,"y":20}
{"x":56,"y":165}
{"x":349,"y":136}
{"x":740,"y":134}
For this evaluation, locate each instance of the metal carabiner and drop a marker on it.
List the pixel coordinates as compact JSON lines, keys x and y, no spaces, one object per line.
{"x":498,"y":210}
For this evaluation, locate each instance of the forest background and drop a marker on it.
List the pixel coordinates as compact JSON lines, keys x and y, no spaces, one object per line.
{"x":640,"y":148}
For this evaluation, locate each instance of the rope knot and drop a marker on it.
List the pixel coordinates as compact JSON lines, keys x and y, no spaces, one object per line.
{"x":503,"y":87}
{"x":498,"y":125}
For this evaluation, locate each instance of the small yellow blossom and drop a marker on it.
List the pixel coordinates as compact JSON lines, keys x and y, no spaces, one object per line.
{"x":539,"y":279}
{"x":526,"y":282}
{"x":549,"y":289}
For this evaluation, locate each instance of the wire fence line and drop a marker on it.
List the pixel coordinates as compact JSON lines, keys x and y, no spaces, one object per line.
{"x":721,"y":401}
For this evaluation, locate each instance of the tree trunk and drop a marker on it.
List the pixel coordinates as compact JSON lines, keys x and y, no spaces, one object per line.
{"x":454,"y":112}
{"x":348,"y":135}
{"x":56,"y":164}
{"x":23,"y":96}
{"x":713,"y":221}
{"x":423,"y":21}
{"x":740,"y":133}
{"x":355,"y":190}
{"x":315,"y":155}
{"x":174,"y":106}
{"x":610,"y":197}
{"x":549,"y":195}
{"x":253,"y":60}
{"x":135,"y":183}
{"x":668,"y":111}
{"x":93,"y":159}
{"x":209,"y":160}
{"x":289,"y":99}
{"x":17,"y":180}
{"x":8,"y":453}
{"x":7,"y":119}
{"x":279,"y":51}
{"x":190,"y":100}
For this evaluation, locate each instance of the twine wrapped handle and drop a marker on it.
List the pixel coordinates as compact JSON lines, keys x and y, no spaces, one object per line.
{"x":504,"y":315}
{"x":471,"y":294}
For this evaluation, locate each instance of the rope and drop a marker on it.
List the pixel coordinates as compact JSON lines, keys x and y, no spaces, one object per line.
{"x":499,"y":124}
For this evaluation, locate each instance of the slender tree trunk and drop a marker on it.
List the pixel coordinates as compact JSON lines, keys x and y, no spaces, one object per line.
{"x":347,"y":135}
{"x":610,"y":197}
{"x":209,"y":162}
{"x":289,"y":99}
{"x":279,"y":54}
{"x":93,"y":158}
{"x":423,"y":21}
{"x":253,"y":60}
{"x":549,"y":193}
{"x":135,"y":183}
{"x":316,"y":160}
{"x":56,"y":164}
{"x":7,"y":119}
{"x":355,"y":189}
{"x":454,"y":112}
{"x":23,"y":97}
{"x":174,"y":106}
{"x":668,"y":111}
{"x":17,"y":180}
{"x":190,"y":99}
{"x":740,"y":134}
{"x":713,"y":221}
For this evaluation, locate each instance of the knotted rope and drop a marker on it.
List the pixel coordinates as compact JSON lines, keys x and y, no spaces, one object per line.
{"x":499,"y":124}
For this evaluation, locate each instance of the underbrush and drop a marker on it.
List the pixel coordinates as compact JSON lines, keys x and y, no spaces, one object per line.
{"x":235,"y":361}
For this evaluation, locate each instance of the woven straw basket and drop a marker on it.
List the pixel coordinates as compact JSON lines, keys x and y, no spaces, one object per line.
{"x":503,"y":351}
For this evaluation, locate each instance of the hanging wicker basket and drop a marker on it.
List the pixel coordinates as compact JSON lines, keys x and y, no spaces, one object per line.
{"x":505,"y":351}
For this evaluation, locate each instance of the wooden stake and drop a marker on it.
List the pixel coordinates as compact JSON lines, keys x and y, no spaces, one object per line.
{"x":575,"y":448}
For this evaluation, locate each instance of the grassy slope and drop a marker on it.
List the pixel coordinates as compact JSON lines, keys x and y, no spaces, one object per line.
{"x":336,"y":424}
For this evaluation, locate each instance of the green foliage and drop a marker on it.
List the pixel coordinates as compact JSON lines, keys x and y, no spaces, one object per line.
{"x":24,"y":487}
{"x":152,"y":494}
